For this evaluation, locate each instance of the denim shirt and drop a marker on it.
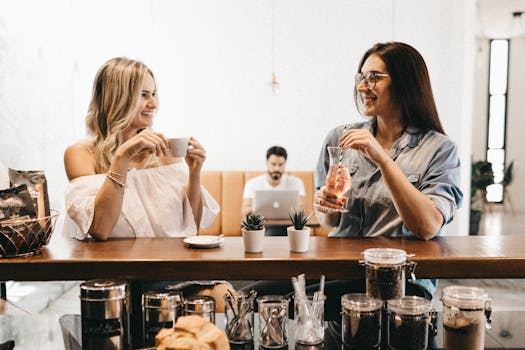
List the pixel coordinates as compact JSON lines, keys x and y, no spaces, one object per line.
{"x":429,"y":161}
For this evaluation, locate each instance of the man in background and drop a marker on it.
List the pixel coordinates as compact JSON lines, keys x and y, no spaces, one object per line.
{"x":275,"y":179}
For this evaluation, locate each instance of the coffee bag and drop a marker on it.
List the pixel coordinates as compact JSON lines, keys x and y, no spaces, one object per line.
{"x":36,"y":184}
{"x":16,"y":204}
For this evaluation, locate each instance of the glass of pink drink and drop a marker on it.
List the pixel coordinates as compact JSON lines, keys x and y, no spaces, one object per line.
{"x":338,"y":180}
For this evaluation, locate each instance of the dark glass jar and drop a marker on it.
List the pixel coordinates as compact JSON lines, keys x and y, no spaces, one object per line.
{"x":385,"y":272}
{"x":360,"y":321}
{"x":410,"y":319}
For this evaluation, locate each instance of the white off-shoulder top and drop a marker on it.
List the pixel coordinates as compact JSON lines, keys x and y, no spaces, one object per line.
{"x":154,"y":205}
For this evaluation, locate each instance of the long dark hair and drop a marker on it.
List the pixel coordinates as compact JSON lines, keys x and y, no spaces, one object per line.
{"x":410,"y":88}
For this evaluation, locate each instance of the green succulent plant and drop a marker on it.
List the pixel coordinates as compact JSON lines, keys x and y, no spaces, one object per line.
{"x":299,"y":218}
{"x":481,"y":177}
{"x":253,"y":222}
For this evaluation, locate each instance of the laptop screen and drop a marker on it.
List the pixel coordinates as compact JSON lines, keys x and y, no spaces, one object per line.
{"x":275,"y":204}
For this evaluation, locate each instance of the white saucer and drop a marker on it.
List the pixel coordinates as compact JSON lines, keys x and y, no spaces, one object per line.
{"x":205,"y":241}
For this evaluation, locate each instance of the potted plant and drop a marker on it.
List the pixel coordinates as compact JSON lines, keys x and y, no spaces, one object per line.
{"x":481,"y":177}
{"x":253,"y":232}
{"x":299,"y":233}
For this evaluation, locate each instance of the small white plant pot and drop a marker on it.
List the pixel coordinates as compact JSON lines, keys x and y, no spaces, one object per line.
{"x":253,"y":240}
{"x":299,"y":239}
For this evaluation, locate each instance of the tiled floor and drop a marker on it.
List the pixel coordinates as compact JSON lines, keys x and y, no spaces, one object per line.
{"x":58,"y":298}
{"x":497,"y":221}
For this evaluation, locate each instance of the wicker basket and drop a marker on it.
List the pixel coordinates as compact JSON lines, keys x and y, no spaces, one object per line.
{"x":26,"y":237}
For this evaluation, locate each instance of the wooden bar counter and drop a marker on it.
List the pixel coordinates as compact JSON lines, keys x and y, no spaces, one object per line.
{"x":337,"y":258}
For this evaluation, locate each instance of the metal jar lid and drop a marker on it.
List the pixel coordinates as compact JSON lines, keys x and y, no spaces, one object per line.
{"x":199,"y":304}
{"x":162,"y":299}
{"x":101,"y":289}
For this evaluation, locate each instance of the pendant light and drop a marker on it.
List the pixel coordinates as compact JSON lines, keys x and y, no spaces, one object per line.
{"x":274,"y":84}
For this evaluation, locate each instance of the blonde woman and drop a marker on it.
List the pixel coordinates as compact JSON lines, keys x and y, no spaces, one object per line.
{"x":123,"y":181}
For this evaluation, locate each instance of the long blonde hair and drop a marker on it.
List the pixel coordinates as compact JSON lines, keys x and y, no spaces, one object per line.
{"x":113,"y":106}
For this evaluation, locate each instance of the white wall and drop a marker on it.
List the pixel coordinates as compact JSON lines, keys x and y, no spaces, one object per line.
{"x":213,"y":64}
{"x":516,"y":121}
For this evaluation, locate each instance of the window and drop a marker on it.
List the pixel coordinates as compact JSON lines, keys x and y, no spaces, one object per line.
{"x":497,"y":118}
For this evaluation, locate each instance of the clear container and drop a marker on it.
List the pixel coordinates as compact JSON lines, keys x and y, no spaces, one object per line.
{"x":360,"y":321}
{"x":201,"y":305}
{"x":104,"y":308}
{"x":309,"y":320}
{"x":273,"y":321}
{"x":466,"y":314}
{"x":239,"y":313}
{"x":385,"y":272}
{"x":161,"y":310}
{"x":410,"y":320}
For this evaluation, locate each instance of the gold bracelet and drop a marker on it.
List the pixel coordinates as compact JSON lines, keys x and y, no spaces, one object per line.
{"x":121,"y":184}
{"x":115,"y":173}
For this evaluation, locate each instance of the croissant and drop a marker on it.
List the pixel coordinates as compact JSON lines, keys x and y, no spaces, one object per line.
{"x":192,"y":333}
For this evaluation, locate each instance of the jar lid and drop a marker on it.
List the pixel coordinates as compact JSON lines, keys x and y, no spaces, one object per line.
{"x":162,"y":299}
{"x":101,"y":289}
{"x":360,"y":302}
{"x":200,"y":303}
{"x":385,"y":256}
{"x":470,"y":298}
{"x":410,"y":305}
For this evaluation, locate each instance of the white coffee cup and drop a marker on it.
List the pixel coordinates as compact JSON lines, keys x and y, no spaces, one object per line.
{"x":178,"y":146}
{"x":299,"y":239}
{"x":253,"y":240}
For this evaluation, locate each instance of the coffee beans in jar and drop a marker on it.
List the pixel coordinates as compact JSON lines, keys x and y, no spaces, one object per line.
{"x":360,"y":321}
{"x":410,"y":319}
{"x":385,"y":272}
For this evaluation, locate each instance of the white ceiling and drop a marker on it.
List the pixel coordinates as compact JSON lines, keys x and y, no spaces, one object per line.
{"x":495,"y":19}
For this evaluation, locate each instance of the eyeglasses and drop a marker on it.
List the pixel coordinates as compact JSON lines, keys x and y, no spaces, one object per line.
{"x":370,"y":78}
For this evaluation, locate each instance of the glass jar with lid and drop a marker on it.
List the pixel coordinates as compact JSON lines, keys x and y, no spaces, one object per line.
{"x":410,"y":320}
{"x":360,"y":321}
{"x":466,"y":314}
{"x":385,"y":272}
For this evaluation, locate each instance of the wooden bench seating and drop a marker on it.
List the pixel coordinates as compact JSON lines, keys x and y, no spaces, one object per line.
{"x":227,"y":187}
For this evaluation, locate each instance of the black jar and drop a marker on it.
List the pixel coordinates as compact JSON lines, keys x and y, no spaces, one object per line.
{"x":410,"y":321}
{"x":385,"y":272}
{"x":105,"y":315}
{"x":360,"y":321}
{"x":161,"y":310}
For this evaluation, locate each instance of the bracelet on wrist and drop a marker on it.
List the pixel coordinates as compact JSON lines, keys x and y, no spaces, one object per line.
{"x":120,"y":183}
{"x":111,"y":172}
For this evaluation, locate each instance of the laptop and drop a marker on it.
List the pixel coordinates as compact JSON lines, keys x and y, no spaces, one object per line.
{"x":274,"y":205}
